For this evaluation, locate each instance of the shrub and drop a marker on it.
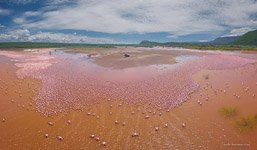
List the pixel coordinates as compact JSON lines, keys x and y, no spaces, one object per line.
{"x":229,"y":111}
{"x":246,"y":123}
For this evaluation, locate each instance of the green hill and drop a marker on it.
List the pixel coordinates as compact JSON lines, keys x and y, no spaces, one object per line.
{"x":249,"y":38}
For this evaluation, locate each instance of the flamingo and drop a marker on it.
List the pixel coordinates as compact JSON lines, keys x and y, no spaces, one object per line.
{"x":135,"y":134}
{"x":92,"y":136}
{"x":60,"y":138}
{"x":97,"y":138}
{"x":68,"y":122}
{"x":116,"y":122}
{"x":50,"y":123}
{"x":104,"y":143}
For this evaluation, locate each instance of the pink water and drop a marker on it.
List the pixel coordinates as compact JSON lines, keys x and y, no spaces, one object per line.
{"x":72,"y":81}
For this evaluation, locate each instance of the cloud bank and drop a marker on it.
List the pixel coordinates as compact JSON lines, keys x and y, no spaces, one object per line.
{"x":24,"y":35}
{"x":177,"y":17}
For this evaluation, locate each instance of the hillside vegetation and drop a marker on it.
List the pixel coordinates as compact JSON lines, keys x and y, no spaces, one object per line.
{"x":250,"y":38}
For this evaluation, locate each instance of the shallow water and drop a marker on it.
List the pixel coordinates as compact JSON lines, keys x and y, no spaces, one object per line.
{"x":93,"y":97}
{"x":72,"y":80}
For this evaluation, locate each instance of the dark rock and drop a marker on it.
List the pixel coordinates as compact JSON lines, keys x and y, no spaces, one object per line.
{"x":126,"y":55}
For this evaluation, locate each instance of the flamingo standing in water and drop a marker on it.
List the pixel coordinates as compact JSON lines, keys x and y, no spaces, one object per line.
{"x":135,"y":134}
{"x":60,"y":138}
{"x":104,"y":143}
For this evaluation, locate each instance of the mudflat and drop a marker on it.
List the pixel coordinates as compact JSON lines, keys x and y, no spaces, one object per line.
{"x":157,"y":98}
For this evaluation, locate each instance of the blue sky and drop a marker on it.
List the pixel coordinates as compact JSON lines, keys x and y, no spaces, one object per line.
{"x":124,"y":21}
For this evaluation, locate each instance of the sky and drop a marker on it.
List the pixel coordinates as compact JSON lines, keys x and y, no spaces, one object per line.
{"x":124,"y":21}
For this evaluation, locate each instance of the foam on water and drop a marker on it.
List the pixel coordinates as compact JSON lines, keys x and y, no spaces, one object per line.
{"x":185,"y":58}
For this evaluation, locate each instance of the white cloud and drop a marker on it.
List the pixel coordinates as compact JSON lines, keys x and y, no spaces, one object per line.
{"x":239,"y":31}
{"x":20,"y":20}
{"x":22,"y":1}
{"x":67,"y":38}
{"x":178,"y":17}
{"x":15,"y":35}
{"x":172,"y":36}
{"x":59,"y":2}
{"x":5,"y":12}
{"x":2,"y":26}
{"x":32,"y":13}
{"x":24,"y":35}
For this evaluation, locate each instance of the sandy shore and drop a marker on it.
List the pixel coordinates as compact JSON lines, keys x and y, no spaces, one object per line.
{"x":152,"y":94}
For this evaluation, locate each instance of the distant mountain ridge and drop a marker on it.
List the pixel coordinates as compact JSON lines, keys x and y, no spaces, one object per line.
{"x":217,"y":41}
{"x":249,"y":38}
{"x":225,"y":40}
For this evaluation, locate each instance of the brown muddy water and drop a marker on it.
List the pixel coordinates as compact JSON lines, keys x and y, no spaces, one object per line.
{"x":158,"y":98}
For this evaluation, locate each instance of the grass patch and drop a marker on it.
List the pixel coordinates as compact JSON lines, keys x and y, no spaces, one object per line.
{"x":246,"y":123}
{"x":255,"y":117}
{"x":222,"y":47}
{"x":229,"y":111}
